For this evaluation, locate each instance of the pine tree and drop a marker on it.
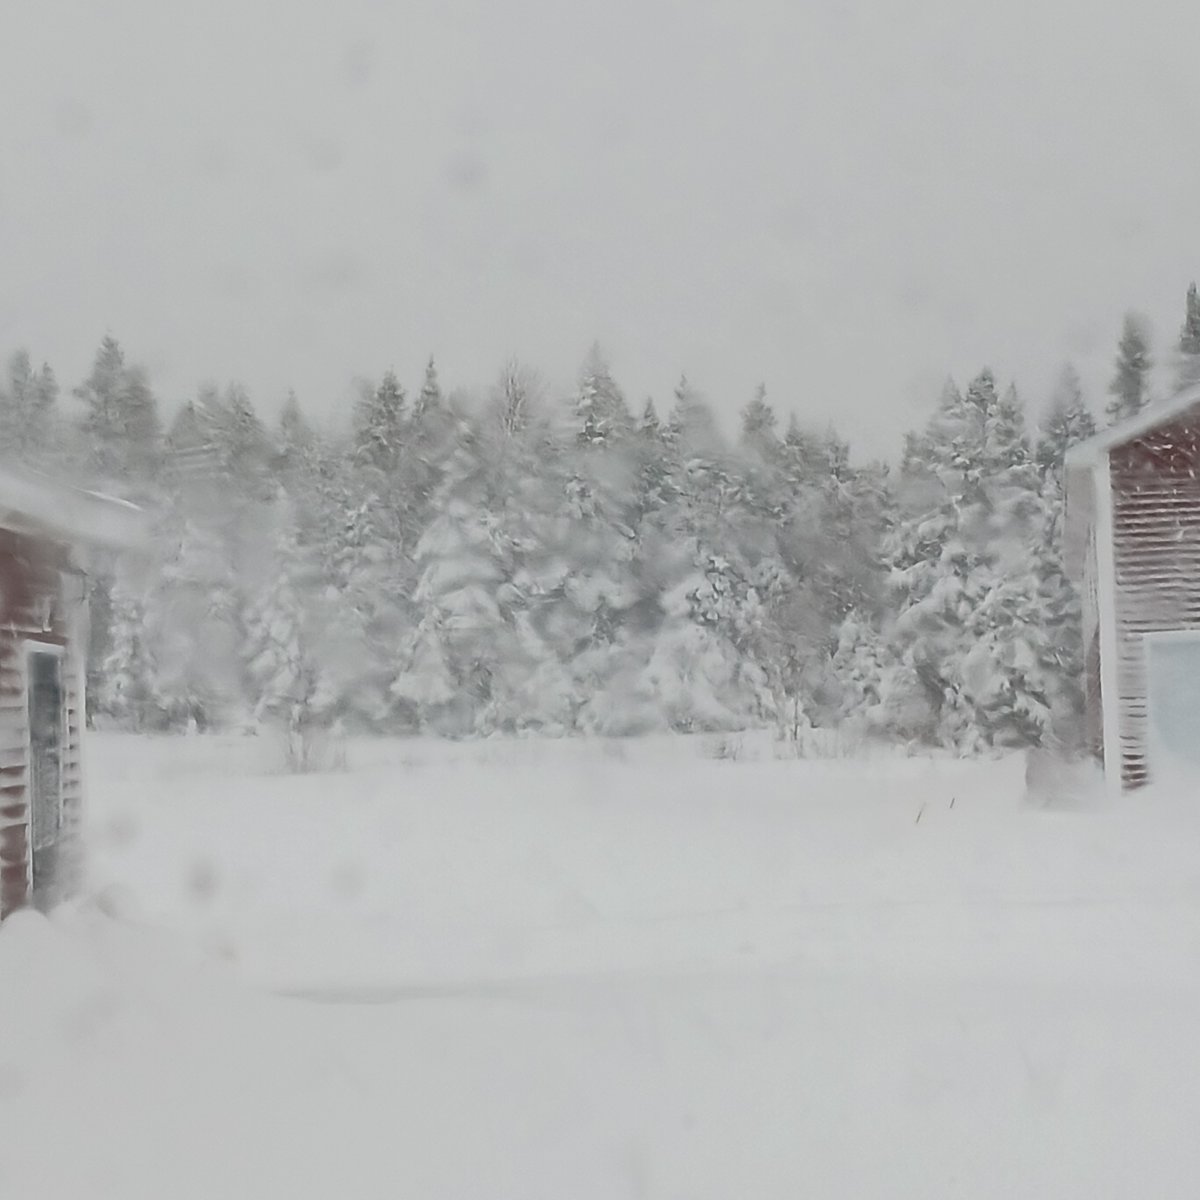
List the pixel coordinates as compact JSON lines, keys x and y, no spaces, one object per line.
{"x":295,"y":436}
{"x":371,"y":578}
{"x":428,"y":448}
{"x":691,"y":425}
{"x":126,"y":694}
{"x":429,"y":400}
{"x":1188,"y":358}
{"x":649,"y":426}
{"x":27,"y":411}
{"x":758,"y":427}
{"x":701,"y":675}
{"x":102,"y":423}
{"x":582,"y":575}
{"x":1130,"y":387}
{"x":239,"y":441}
{"x":602,"y":417}
{"x":968,"y":639}
{"x":380,"y":424}
{"x":860,"y":666}
{"x":288,"y":651}
{"x":481,"y":571}
{"x":120,"y":421}
{"x":1067,"y":421}
{"x":192,"y":616}
{"x":302,"y":465}
{"x":449,"y":660}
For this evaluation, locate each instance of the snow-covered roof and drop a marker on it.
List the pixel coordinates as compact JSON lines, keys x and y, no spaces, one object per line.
{"x":29,"y":497}
{"x":1083,"y":460}
{"x":1090,"y":452}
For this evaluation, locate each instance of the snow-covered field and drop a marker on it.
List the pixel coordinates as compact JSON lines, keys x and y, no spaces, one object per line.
{"x":573,"y":970}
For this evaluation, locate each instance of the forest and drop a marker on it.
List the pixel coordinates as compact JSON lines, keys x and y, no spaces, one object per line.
{"x":516,"y":562}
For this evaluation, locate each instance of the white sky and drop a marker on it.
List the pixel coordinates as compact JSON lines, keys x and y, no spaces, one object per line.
{"x":846,"y":201}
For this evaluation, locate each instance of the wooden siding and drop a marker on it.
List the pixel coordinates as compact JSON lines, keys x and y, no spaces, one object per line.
{"x":1156,"y":548}
{"x":40,"y":600}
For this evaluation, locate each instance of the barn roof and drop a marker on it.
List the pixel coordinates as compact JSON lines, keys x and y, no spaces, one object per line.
{"x":31,"y":498}
{"x":1083,"y":460}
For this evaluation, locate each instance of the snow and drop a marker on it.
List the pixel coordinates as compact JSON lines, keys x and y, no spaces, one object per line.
{"x":71,"y":511}
{"x":597,"y":969}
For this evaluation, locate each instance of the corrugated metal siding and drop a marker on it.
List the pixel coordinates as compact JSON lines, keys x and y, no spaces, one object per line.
{"x":1156,"y":547}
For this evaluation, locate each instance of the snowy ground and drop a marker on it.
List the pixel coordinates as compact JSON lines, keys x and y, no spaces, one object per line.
{"x":573,"y":970}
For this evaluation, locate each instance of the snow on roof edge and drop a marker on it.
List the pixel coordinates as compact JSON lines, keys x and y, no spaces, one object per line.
{"x":1087,"y":454}
{"x":75,"y":513}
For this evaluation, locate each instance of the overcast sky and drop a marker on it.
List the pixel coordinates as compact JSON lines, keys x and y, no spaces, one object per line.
{"x":845,"y":201}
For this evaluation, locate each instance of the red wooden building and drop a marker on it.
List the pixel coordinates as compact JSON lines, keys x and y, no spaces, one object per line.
{"x":1133,"y":544}
{"x":46,"y":532}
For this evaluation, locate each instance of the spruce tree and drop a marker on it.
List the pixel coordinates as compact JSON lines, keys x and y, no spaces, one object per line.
{"x":602,"y":417}
{"x":968,"y":640}
{"x":292,"y":659}
{"x":120,"y":421}
{"x":1188,"y":356}
{"x":427,"y":448}
{"x":649,"y":426}
{"x":380,"y":424}
{"x":429,"y":399}
{"x":691,"y":424}
{"x":1130,"y":387}
{"x":1067,"y":421}
{"x":447,"y":663}
{"x":126,"y":695}
{"x":193,"y":611}
{"x":758,"y":434}
{"x":295,"y":436}
{"x":27,"y":411}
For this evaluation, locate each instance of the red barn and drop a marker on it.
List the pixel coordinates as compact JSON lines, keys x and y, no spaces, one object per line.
{"x":45,"y":531}
{"x":1133,"y":545}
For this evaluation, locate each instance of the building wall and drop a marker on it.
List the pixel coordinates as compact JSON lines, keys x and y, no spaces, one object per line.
{"x":40,"y":600}
{"x":1156,"y":546}
{"x":1093,"y":709}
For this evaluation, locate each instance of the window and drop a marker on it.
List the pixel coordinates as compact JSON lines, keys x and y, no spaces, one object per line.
{"x":1173,"y":694}
{"x":46,"y":722}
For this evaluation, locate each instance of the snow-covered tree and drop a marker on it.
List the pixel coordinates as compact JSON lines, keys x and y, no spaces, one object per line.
{"x":27,"y":411}
{"x":1130,"y":387}
{"x":126,"y":689}
{"x":429,"y":399}
{"x":463,"y":636}
{"x":193,"y":612}
{"x":1187,"y":372}
{"x":120,"y":421}
{"x":968,"y":628}
{"x":1066,"y":423}
{"x":380,"y":425}
{"x":291,"y":651}
{"x":602,"y":417}
{"x":295,"y":438}
{"x":691,"y":424}
{"x":700,"y":673}
{"x":1067,"y":420}
{"x":759,"y":422}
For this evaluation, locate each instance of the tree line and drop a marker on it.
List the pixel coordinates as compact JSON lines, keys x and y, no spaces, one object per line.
{"x":515,"y":562}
